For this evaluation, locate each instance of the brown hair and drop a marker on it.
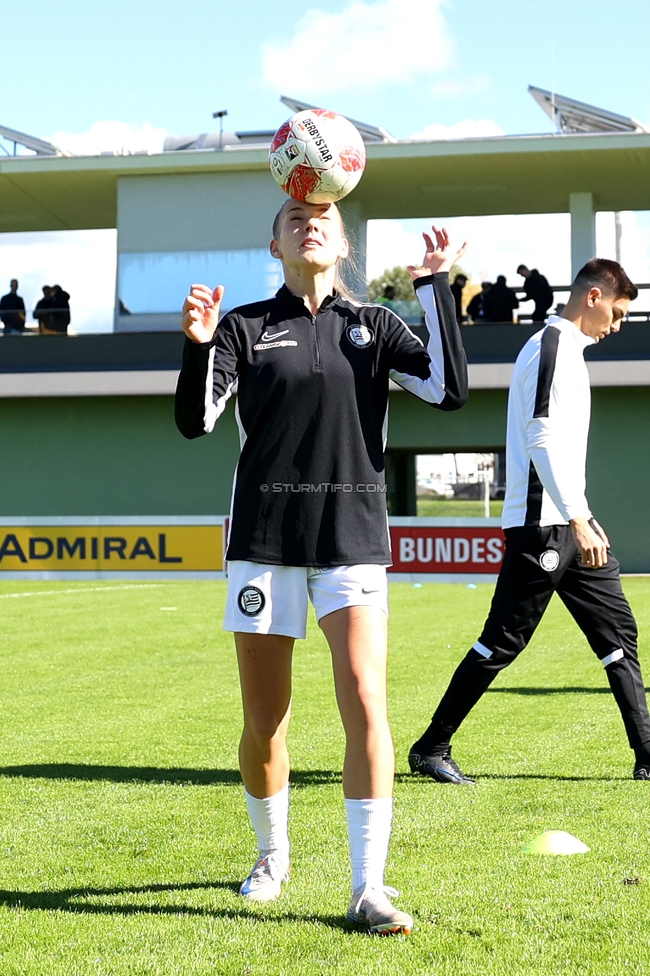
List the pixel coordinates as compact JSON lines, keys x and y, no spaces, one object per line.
{"x":607,"y":275}
{"x":345,"y":267}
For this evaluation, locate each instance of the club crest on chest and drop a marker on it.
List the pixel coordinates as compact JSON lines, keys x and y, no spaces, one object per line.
{"x":360,"y":336}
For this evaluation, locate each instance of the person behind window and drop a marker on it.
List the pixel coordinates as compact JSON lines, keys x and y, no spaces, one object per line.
{"x":12,"y":310}
{"x":60,"y":310}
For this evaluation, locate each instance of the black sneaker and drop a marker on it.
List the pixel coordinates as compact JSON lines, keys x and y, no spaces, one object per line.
{"x":441,"y":768}
{"x":641,"y":771}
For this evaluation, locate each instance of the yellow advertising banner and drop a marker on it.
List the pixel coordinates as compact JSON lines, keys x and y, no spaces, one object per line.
{"x":106,"y":548}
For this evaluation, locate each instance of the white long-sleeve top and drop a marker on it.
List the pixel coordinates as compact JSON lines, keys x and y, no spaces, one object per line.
{"x":549,"y":409}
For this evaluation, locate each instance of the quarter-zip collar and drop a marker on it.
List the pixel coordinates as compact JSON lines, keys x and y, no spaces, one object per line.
{"x":286,"y":295}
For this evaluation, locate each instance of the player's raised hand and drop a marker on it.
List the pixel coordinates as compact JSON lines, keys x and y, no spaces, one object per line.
{"x":201,"y":312}
{"x":439,"y":255}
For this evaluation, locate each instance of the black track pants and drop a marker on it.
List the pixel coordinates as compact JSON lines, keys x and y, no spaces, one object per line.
{"x":538,"y":562}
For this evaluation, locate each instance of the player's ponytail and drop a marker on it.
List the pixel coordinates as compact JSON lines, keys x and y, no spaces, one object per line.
{"x":348,"y":270}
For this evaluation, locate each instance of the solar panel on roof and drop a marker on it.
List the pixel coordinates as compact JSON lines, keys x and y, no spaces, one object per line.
{"x":571,"y":115}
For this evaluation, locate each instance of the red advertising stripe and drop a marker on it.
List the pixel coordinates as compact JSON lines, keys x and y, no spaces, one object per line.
{"x":436,"y":549}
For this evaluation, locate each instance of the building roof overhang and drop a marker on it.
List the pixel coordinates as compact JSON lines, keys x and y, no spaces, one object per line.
{"x":499,"y":175}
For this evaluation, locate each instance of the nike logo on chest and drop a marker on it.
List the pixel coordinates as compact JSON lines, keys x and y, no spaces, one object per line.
{"x":276,"y":335}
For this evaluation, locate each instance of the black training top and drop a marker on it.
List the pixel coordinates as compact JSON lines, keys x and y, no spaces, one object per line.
{"x":312,"y":400}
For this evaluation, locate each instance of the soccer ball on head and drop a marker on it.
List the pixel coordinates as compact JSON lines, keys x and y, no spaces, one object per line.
{"x":317,"y":156}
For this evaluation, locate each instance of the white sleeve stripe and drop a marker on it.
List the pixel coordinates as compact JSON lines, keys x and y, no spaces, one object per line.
{"x":427,"y":297}
{"x":212,"y":411}
{"x":431,"y":390}
{"x":240,"y":426}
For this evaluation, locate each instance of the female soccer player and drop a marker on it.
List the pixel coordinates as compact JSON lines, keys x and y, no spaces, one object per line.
{"x":309,"y":514}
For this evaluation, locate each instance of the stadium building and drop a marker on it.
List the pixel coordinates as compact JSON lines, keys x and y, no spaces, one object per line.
{"x":87,"y":427}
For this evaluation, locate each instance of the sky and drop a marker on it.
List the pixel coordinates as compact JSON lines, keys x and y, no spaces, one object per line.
{"x":96,"y":77}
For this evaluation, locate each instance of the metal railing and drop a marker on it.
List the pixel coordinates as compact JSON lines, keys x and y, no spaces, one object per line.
{"x":560,"y":295}
{"x":411,"y":311}
{"x":102,"y":319}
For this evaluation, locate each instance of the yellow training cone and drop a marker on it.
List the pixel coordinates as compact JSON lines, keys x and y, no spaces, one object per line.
{"x":555,"y":842}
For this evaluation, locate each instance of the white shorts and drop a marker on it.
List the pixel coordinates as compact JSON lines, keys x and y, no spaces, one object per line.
{"x":265,"y":599}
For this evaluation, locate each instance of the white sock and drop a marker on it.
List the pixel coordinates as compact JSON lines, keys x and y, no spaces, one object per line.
{"x":270,"y":820}
{"x":369,"y":824}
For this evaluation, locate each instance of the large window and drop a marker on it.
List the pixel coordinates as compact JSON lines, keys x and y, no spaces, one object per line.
{"x":460,"y":485}
{"x":157,"y":282}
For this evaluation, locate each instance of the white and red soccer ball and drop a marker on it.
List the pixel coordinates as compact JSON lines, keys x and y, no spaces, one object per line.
{"x":317,"y":156}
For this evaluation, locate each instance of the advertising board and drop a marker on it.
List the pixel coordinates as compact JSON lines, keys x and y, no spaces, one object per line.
{"x":446,"y":550}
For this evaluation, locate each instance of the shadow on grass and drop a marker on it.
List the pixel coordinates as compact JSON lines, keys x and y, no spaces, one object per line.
{"x":64,"y":901}
{"x":482,"y":777}
{"x":548,"y":691}
{"x":553,"y":777}
{"x":154,"y":774}
{"x":551,"y":691}
{"x":212,"y":777}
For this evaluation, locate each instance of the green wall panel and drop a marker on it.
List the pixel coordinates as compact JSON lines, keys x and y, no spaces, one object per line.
{"x":480,"y":425}
{"x":124,"y":456}
{"x":110,"y":456}
{"x":618,"y":471}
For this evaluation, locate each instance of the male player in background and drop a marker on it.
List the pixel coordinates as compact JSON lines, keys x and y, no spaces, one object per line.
{"x":553,"y":543}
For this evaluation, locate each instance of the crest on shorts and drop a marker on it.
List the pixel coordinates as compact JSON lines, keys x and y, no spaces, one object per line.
{"x":360,"y":336}
{"x":251,"y":601}
{"x":549,"y":560}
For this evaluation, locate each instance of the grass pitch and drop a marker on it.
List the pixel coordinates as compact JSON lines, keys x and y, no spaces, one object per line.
{"x":457,"y":507}
{"x":123,"y":835}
